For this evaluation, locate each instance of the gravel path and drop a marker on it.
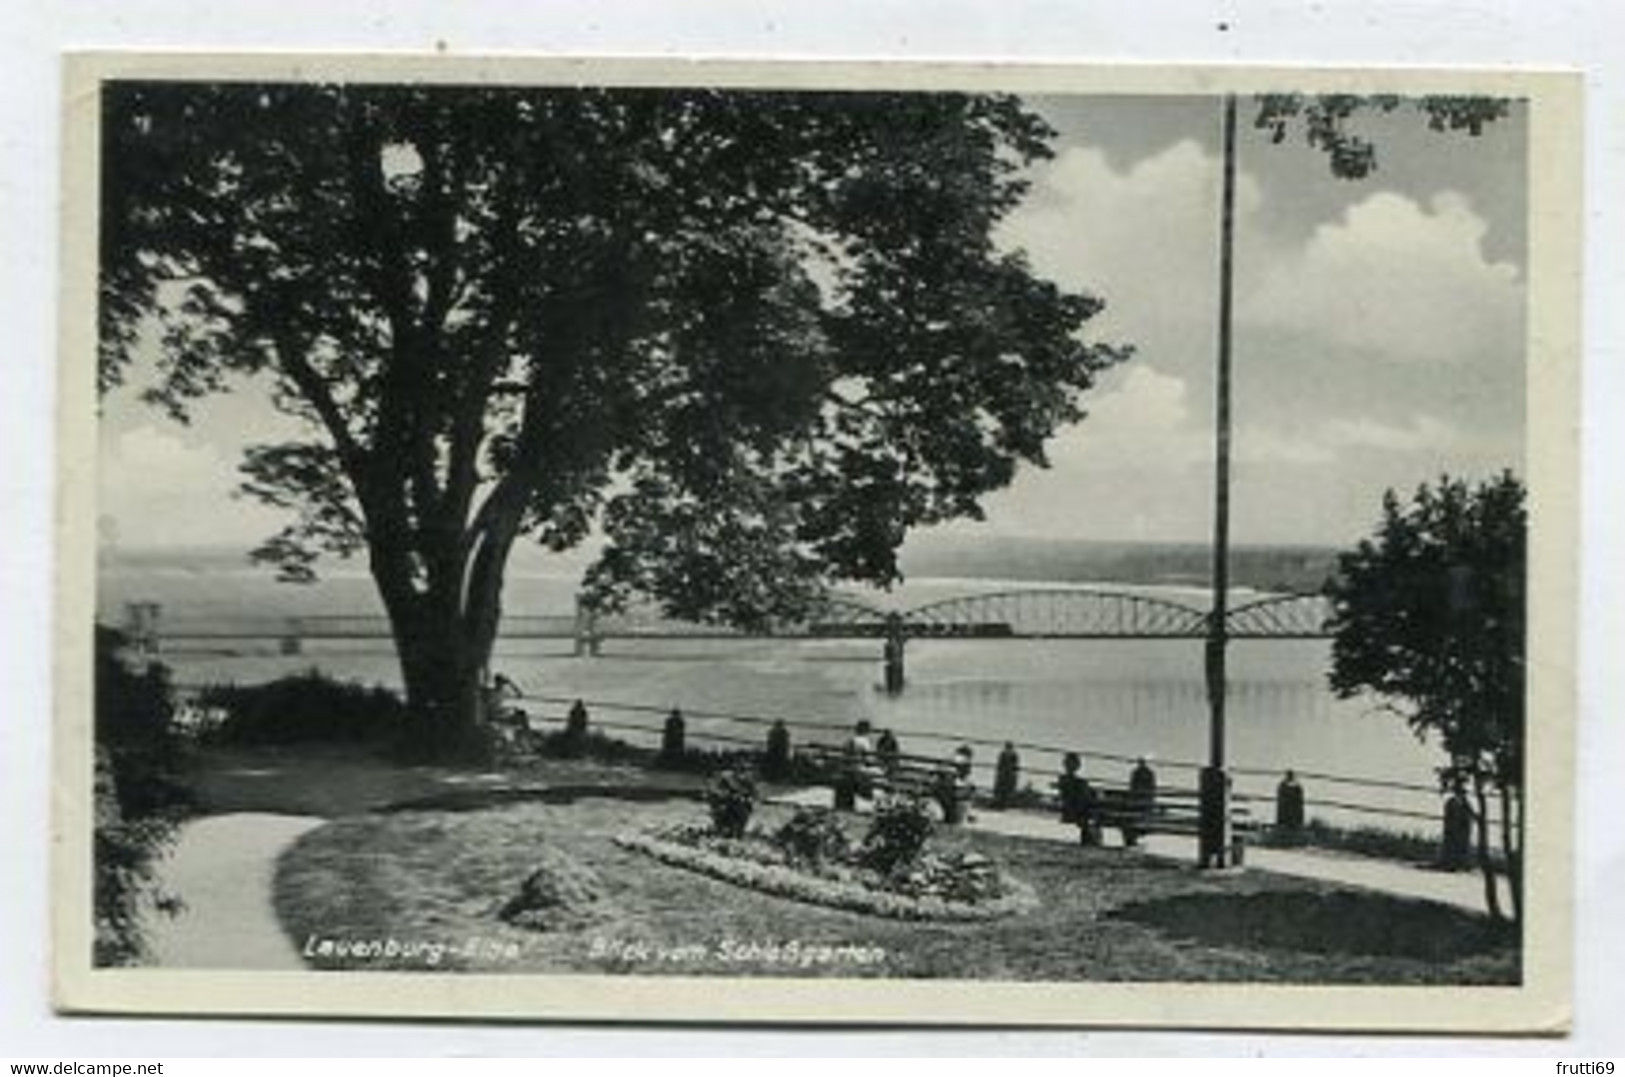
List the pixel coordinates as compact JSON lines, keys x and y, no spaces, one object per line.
{"x":222,"y":867}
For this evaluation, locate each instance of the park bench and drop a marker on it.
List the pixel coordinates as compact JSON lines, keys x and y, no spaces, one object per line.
{"x":1171,"y":812}
{"x":903,"y":775}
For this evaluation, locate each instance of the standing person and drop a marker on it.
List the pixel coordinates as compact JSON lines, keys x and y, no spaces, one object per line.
{"x":1142,"y":783}
{"x":887,"y":749}
{"x":574,"y":741}
{"x":510,"y":723}
{"x":1456,"y":850}
{"x":954,"y":788}
{"x":776,"y":763}
{"x":1077,"y":799}
{"x":1289,"y":804}
{"x":673,"y":738}
{"x":1006,"y":776}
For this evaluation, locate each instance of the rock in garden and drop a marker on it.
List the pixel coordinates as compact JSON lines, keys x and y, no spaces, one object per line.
{"x":558,"y":892}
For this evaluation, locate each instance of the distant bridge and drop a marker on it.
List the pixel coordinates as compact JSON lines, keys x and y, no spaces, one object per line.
{"x":1075,"y":613}
{"x":1079,"y":613}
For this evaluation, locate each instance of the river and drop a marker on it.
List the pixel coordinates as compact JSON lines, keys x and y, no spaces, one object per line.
{"x":1106,"y":698}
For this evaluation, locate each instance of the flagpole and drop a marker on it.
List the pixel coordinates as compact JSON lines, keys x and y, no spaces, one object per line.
{"x":1214,"y":845}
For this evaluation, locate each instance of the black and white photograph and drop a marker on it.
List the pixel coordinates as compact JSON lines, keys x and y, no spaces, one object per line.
{"x":815,"y":542}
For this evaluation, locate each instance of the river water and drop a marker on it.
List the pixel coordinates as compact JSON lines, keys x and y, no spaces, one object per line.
{"x":1106,"y":698}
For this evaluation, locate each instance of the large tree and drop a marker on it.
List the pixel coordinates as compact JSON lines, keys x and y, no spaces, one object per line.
{"x":752,"y":337}
{"x":1428,"y":614}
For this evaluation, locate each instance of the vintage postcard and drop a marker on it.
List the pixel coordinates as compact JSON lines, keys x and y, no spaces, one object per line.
{"x":896,"y":543}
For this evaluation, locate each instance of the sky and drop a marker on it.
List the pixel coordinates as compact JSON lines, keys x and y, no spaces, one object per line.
{"x":1379,"y":339}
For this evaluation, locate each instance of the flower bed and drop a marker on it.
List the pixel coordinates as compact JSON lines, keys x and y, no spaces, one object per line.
{"x":931,"y":888}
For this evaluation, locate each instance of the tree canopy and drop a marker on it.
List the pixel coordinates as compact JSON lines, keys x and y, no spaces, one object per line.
{"x":1325,"y":122}
{"x":753,"y":337}
{"x":1428,"y":614}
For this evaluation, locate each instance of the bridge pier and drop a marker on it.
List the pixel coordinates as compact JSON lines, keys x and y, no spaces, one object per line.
{"x":587,"y":640}
{"x":141,"y":626}
{"x":892,"y":653}
{"x":292,"y":639}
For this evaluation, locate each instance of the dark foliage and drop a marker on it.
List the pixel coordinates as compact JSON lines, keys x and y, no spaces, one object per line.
{"x":1329,"y":124}
{"x":897,"y":834}
{"x":590,"y":744}
{"x":1429,"y":616}
{"x":304,"y":708}
{"x":1376,"y":842}
{"x":756,"y":336}
{"x":731,"y":798}
{"x":126,"y":887}
{"x":135,"y":725}
{"x":140,"y":796}
{"x":813,"y":836}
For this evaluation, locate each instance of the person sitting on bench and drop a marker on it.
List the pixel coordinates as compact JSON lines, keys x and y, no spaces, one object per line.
{"x":863,"y":770}
{"x":1077,"y":798}
{"x":954,"y":790}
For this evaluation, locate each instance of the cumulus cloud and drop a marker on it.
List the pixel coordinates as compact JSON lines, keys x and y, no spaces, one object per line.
{"x":1423,"y":433}
{"x":1142,"y":421}
{"x":1354,"y":337}
{"x":148,"y":460}
{"x":1395,"y":279}
{"x":1324,"y":443}
{"x":1144,"y":238}
{"x":156,"y":488}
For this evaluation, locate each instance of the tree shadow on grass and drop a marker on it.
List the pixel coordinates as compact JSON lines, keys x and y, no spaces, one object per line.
{"x":469,"y":800}
{"x":1340,"y":923}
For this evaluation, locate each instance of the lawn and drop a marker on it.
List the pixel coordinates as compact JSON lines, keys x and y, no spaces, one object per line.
{"x":420,"y":884}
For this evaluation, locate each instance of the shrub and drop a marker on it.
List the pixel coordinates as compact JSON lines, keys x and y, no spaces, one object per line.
{"x":559,"y":892}
{"x":139,"y":796}
{"x":731,"y":798}
{"x":967,"y":877}
{"x":135,"y":725}
{"x":593,"y":744}
{"x":813,"y":836}
{"x":897,"y":835}
{"x":571,"y":741}
{"x":125,"y":882}
{"x":1370,"y":841}
{"x":308,"y":707}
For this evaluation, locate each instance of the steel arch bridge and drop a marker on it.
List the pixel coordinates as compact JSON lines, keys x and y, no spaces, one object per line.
{"x":1082,"y":613}
{"x":1095,"y":613}
{"x":1030,"y":613}
{"x":1290,"y":616}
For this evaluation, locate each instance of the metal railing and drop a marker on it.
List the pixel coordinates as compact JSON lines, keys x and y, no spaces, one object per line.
{"x":701,"y":727}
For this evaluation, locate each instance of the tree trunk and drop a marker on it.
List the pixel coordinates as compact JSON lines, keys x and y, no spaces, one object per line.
{"x":1512,"y":844}
{"x":442,"y":669}
{"x":1492,"y":896}
{"x":444,"y":633}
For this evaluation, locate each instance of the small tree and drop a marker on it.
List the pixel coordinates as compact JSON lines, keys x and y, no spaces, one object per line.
{"x":1429,"y":615}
